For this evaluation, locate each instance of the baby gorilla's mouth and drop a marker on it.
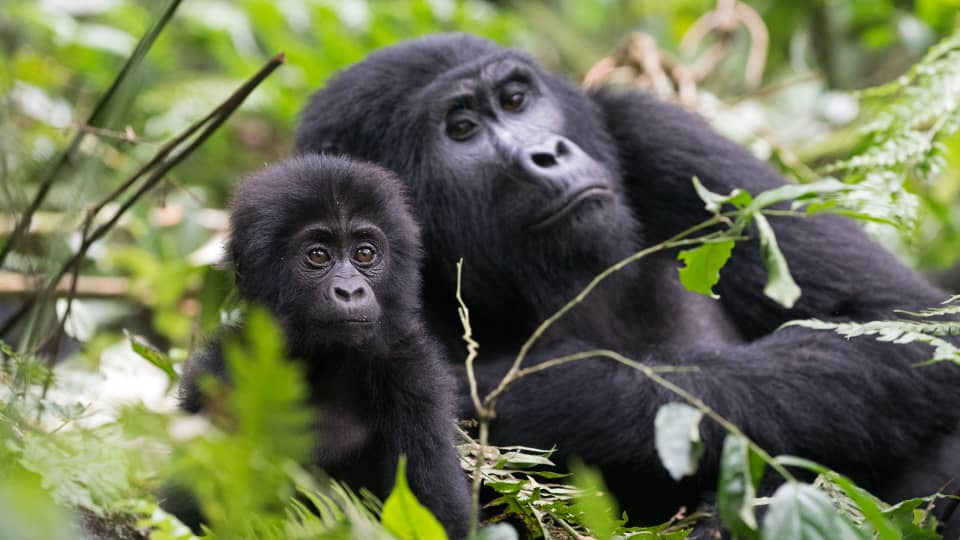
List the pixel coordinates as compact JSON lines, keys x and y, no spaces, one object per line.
{"x":565,"y":206}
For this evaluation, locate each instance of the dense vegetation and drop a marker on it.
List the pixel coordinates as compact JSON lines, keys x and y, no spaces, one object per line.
{"x":124,"y":126}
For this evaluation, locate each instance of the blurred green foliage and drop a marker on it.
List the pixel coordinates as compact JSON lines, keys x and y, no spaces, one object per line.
{"x":57,"y":57}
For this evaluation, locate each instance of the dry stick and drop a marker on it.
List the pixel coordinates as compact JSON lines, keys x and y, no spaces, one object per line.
{"x":209,"y":124}
{"x":472,"y":347}
{"x":23,"y":224}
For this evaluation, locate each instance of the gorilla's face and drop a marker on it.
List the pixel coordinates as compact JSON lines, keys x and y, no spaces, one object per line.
{"x":330,"y":247}
{"x":497,"y":131}
{"x":510,"y":168}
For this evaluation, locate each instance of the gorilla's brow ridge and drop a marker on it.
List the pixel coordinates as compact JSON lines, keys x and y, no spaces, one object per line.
{"x":465,"y":75}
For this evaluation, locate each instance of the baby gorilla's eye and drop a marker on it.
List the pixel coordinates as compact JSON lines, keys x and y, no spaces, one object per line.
{"x":460,"y":130}
{"x":364,"y":254}
{"x":318,"y":257}
{"x":511,"y":101}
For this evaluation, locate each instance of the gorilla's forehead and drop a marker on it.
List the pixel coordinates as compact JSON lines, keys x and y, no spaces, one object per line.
{"x":486,"y":71}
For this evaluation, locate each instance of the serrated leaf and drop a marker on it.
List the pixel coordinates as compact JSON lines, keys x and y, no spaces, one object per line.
{"x":702,"y":265}
{"x":677,"y":439}
{"x":740,"y":470}
{"x":780,"y":284}
{"x":802,"y":512}
{"x":404,"y":516}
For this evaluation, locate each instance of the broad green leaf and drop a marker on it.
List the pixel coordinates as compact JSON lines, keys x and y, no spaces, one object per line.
{"x":802,"y":512}
{"x":867,"y":504}
{"x":597,"y":508}
{"x":740,"y":470}
{"x":702,"y":266}
{"x":404,"y":516}
{"x":678,"y":439}
{"x":780,"y":285}
{"x":714,"y":201}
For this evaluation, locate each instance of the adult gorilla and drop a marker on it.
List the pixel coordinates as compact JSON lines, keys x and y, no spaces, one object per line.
{"x":539,"y":187}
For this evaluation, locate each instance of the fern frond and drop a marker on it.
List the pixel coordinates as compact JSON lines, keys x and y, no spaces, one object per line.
{"x":930,"y":332}
{"x":904,"y":141}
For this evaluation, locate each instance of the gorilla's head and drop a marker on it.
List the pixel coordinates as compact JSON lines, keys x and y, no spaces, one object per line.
{"x":509,"y":167}
{"x":329,"y":245}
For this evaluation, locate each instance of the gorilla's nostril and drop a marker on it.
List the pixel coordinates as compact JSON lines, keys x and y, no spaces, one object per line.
{"x":543,"y":159}
{"x":562,"y":149}
{"x":341,"y":294}
{"x":359,"y":293}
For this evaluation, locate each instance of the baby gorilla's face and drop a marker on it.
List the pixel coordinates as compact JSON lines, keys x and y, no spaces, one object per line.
{"x":336,"y":267}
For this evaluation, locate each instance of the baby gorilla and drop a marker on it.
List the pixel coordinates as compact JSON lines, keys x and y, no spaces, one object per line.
{"x":329,"y":245}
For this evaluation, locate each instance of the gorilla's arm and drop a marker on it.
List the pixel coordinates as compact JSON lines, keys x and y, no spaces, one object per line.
{"x":858,"y":407}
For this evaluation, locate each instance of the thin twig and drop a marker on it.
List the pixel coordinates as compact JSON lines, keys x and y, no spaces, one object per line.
{"x":23,"y":224}
{"x":208,"y":125}
{"x":482,"y":413}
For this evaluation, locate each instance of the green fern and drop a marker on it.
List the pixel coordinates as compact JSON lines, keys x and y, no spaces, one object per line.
{"x":930,"y":332}
{"x":905,"y":139}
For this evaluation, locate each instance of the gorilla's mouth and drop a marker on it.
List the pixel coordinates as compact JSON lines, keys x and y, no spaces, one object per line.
{"x":564,"y":206}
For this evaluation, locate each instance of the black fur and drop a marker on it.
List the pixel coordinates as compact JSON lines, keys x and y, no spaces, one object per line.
{"x":380,"y":385}
{"x":860,"y":406}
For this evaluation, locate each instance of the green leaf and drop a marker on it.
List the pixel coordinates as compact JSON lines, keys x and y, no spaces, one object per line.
{"x":912,"y":520}
{"x":677,"y":439}
{"x":404,"y":516}
{"x":796,"y":192}
{"x":702,"y":265}
{"x":802,"y":512}
{"x":780,"y":285}
{"x":740,"y":470}
{"x":714,"y":201}
{"x":867,"y":504}
{"x":598,"y":508}
{"x":151,"y":354}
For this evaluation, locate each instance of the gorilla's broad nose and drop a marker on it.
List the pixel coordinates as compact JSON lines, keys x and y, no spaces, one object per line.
{"x":551,"y":153}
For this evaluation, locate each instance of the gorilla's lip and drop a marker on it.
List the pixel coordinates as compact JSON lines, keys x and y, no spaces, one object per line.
{"x":560,"y":210}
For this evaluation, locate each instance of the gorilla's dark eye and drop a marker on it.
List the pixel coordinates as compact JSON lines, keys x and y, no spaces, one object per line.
{"x":318,"y":257}
{"x":511,"y":101}
{"x":364,"y":254}
{"x":460,"y":130}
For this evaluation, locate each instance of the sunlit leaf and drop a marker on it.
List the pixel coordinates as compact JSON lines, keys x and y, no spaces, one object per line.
{"x":780,"y":285}
{"x":702,"y":265}
{"x":404,"y":516}
{"x":802,"y":512}
{"x":677,"y":439}
{"x":740,"y":470}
